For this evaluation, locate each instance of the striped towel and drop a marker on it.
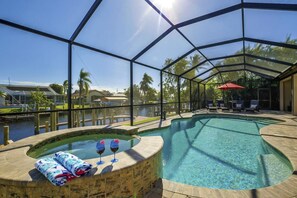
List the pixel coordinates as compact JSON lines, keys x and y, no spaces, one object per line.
{"x":53,"y":171}
{"x":73,"y":164}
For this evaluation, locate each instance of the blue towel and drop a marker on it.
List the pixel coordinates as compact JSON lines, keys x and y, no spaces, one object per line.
{"x":73,"y":164}
{"x":53,"y":171}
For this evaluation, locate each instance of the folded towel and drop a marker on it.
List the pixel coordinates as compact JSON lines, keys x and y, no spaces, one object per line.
{"x":73,"y":164}
{"x":53,"y":171}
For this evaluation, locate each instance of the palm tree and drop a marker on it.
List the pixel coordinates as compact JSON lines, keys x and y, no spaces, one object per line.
{"x":195,"y":60}
{"x":2,"y":94}
{"x":145,"y":84}
{"x":83,"y":83}
{"x":65,"y":89}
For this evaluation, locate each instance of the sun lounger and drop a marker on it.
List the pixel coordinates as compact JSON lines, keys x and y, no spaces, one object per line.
{"x":221,"y":105}
{"x":254,"y":106}
{"x":210,"y":106}
{"x":239,"y":106}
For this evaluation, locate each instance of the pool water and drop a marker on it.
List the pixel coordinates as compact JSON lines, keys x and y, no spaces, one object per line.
{"x":221,"y":153}
{"x":84,"y":147}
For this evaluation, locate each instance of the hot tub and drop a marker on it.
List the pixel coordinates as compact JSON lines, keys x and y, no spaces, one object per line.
{"x":84,"y":146}
{"x":135,"y":173}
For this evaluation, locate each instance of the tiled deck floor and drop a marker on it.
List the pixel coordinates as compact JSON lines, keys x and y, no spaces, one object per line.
{"x":282,"y":136}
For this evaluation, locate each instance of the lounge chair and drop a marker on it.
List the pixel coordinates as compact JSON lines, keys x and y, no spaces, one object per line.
{"x":254,"y":106}
{"x":221,"y":105}
{"x":239,"y":106}
{"x":210,"y":107}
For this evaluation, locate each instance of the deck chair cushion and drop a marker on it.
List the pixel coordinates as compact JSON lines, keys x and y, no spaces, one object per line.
{"x":238,"y":105}
{"x":253,"y":106}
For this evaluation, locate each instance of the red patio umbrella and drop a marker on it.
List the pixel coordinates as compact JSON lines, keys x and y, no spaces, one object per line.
{"x":230,"y":86}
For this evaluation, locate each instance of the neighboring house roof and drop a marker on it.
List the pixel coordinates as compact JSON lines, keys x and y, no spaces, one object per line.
{"x":106,"y":92}
{"x":76,"y":92}
{"x":119,"y":95}
{"x":26,"y":90}
{"x":115,"y":98}
{"x":95,"y":91}
{"x":101,"y":93}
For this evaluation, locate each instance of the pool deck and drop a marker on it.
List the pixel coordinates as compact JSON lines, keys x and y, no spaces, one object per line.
{"x":282,"y":136}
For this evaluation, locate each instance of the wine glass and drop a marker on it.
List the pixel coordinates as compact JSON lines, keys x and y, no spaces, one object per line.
{"x":100,"y":148}
{"x":114,"y":146}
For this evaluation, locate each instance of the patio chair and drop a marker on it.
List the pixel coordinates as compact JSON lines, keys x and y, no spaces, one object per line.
{"x":221,"y":105}
{"x":209,"y":106}
{"x":239,"y":106}
{"x":254,"y":106}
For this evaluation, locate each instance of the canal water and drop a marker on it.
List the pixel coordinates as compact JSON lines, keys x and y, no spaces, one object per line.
{"x":22,"y":128}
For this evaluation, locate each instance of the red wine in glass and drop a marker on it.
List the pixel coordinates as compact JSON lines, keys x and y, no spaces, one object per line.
{"x":100,"y":148}
{"x":101,"y":151}
{"x":114,"y":147}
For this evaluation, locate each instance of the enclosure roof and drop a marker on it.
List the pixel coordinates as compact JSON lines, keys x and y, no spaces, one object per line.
{"x":213,"y":37}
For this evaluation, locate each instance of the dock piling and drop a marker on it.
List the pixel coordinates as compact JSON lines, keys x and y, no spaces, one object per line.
{"x":57,"y":120}
{"x":83,"y":115}
{"x":36,"y":124}
{"x":77,"y":119}
{"x":46,"y":126}
{"x":104,"y":117}
{"x":36,"y":121}
{"x":53,"y":118}
{"x":93,"y":117}
{"x":72,"y":116}
{"x":6,"y":135}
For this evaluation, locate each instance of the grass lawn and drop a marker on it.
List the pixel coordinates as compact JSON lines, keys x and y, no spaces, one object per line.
{"x":150,"y":119}
{"x":9,"y":110}
{"x":14,"y":110}
{"x":65,"y":106}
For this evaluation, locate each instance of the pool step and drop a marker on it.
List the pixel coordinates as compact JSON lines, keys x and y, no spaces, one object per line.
{"x":272,"y":169}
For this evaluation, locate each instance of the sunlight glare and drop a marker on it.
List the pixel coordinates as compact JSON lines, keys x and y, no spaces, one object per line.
{"x":165,"y":4}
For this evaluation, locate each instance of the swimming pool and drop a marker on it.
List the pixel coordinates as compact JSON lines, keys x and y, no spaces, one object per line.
{"x":84,"y":146}
{"x":221,"y":153}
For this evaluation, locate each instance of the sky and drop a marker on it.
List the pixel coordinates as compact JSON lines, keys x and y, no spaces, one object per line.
{"x":123,"y":28}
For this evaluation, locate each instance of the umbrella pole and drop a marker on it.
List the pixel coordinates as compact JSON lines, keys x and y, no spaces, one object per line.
{"x":231,"y":100}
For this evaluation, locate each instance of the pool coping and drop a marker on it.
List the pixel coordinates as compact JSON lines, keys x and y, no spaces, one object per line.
{"x":282,"y":136}
{"x":16,"y":166}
